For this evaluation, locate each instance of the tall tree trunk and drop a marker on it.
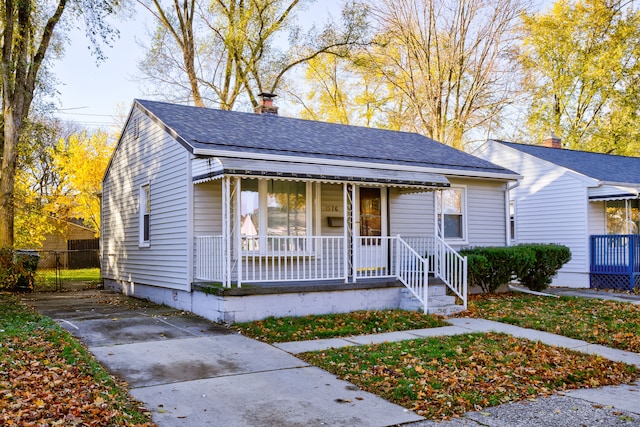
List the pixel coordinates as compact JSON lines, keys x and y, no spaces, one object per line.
{"x":7,"y":178}
{"x":21,"y":60}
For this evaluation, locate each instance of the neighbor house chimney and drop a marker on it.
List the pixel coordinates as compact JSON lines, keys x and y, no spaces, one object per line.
{"x":266,"y":104}
{"x":552,"y":141}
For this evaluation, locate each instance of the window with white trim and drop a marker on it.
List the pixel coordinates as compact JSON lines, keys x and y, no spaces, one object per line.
{"x":274,"y":208}
{"x":451,"y":213}
{"x":512,"y":221}
{"x":145,"y":215}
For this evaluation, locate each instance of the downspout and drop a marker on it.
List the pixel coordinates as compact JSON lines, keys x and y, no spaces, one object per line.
{"x":507,"y":202}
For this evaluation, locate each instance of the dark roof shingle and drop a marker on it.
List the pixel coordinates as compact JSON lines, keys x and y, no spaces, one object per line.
{"x":205,"y":128}
{"x":603,"y":167}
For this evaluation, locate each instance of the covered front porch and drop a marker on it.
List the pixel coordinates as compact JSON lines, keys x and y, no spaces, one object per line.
{"x":615,"y":261}
{"x":330,"y":232}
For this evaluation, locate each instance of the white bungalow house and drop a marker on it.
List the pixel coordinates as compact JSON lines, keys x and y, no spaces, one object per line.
{"x":586,"y":201}
{"x":239,"y":216}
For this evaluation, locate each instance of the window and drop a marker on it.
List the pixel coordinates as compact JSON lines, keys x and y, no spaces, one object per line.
{"x":274,"y":208}
{"x":450,"y":208}
{"x":145,"y":214}
{"x":623,"y":216}
{"x":512,"y":221}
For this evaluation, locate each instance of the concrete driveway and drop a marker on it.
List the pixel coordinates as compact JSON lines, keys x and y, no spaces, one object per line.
{"x":192,"y":372}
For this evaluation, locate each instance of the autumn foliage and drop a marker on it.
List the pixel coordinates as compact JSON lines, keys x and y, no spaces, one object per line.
{"x":47,"y":378}
{"x":445,"y":377}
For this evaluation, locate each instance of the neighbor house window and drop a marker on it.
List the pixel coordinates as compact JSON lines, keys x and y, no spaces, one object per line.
{"x":623,"y":216}
{"x":512,"y":221}
{"x":274,"y":208}
{"x":450,"y":208}
{"x":145,"y":214}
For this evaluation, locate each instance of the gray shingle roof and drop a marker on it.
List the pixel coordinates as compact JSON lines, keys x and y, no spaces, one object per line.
{"x":205,"y":128}
{"x":603,"y":167}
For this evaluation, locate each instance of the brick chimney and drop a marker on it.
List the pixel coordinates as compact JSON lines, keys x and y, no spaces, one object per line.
{"x":552,"y":141}
{"x":266,"y":104}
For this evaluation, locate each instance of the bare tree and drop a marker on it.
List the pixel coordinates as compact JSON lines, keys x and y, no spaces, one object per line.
{"x":449,"y":60}
{"x":227,"y":48}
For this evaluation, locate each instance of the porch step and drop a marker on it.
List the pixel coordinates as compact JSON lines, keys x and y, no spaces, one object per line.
{"x":438,"y":301}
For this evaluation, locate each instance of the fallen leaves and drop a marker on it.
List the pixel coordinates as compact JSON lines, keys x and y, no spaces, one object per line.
{"x":446,"y":376}
{"x":47,"y":378}
{"x":336,"y":325}
{"x":609,"y":323}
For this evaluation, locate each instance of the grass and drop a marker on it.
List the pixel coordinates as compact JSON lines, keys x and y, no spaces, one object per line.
{"x":303,"y":328}
{"x":45,"y":279}
{"x":48,"y":377}
{"x":445,"y":377}
{"x":48,"y":276}
{"x":609,"y":323}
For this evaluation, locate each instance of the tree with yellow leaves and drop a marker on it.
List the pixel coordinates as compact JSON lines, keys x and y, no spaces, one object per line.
{"x":81,"y":161}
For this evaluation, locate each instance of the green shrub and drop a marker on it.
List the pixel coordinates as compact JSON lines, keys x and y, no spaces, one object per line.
{"x":549,"y":258}
{"x":492,"y":267}
{"x":477,"y":270}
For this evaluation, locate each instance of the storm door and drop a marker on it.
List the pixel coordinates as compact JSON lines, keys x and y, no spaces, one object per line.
{"x":372,"y":241}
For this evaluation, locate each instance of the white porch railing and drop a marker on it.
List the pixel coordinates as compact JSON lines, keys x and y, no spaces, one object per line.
{"x":210,"y":258}
{"x":291,"y":258}
{"x":412,"y":271}
{"x":301,"y":258}
{"x":373,"y":257}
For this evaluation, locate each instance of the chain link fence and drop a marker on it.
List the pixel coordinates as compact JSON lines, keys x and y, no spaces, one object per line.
{"x":68,"y":270}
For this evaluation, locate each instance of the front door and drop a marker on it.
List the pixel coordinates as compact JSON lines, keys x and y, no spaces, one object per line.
{"x":371,"y":243}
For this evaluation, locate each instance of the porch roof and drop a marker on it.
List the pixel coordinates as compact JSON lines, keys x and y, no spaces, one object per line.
{"x":613,"y":192}
{"x":213,"y":168}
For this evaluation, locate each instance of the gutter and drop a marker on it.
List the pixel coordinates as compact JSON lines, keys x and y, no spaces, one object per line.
{"x":372,"y":165}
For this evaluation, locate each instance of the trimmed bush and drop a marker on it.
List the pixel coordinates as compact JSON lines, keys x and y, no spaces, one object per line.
{"x":492,"y":267}
{"x":549,"y":258}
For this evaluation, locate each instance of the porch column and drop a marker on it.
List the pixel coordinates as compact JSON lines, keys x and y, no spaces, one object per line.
{"x":226,"y":230}
{"x":355,"y":227}
{"x":345,"y":230}
{"x":238,"y":225}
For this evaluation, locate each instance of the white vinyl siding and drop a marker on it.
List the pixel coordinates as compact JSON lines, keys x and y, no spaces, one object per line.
{"x":597,"y":218}
{"x":208,"y":208}
{"x":331,"y":206}
{"x":411,"y":214}
{"x":485,"y":214}
{"x":157,"y":159}
{"x":552,"y":207}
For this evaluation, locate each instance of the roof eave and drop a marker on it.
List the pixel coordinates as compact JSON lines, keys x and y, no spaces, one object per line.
{"x":326,"y":161}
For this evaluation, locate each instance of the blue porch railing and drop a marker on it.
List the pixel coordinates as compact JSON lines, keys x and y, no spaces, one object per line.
{"x":615,"y":261}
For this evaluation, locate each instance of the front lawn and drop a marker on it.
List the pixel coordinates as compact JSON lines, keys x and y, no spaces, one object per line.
{"x":303,"y":328}
{"x":447,"y":376}
{"x":609,"y":323}
{"x":48,"y":378}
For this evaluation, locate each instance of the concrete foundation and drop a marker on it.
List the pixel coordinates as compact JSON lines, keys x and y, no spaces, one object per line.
{"x":256,"y":303}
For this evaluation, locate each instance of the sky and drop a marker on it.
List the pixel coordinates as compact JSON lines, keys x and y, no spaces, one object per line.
{"x":93,"y":95}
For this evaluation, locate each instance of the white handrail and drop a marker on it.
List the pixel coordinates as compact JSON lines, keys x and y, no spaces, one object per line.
{"x":413,"y":271}
{"x":451,"y":268}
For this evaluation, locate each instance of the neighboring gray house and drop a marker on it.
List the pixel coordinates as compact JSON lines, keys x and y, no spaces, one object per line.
{"x":586,"y":201}
{"x":272,"y":215}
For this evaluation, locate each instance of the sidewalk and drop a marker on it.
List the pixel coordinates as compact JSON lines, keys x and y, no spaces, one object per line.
{"x":191,"y":372}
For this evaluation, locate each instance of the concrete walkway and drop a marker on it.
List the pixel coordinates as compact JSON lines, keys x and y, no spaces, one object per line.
{"x":191,"y":372}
